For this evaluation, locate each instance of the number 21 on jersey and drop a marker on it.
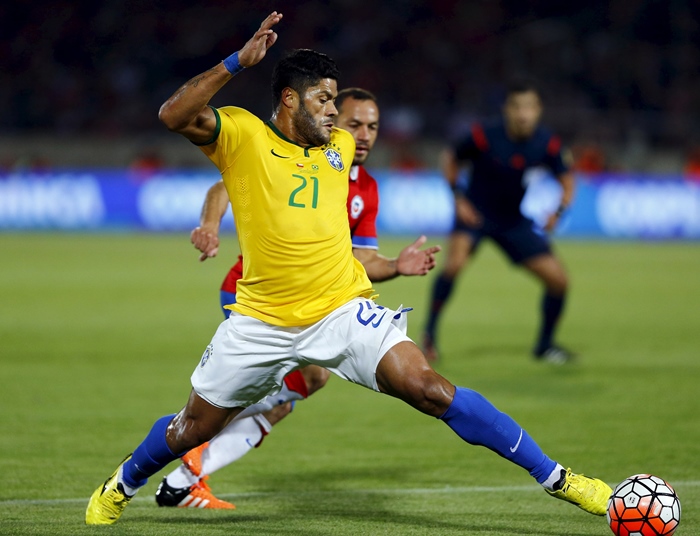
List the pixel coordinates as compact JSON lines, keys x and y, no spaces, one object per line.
{"x":304,"y":183}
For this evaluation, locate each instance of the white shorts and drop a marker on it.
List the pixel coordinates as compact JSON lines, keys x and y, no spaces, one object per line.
{"x":247,"y":359}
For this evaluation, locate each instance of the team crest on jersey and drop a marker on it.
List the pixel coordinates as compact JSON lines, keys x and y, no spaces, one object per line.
{"x":206,"y":355}
{"x":334,"y":159}
{"x":356,"y":206}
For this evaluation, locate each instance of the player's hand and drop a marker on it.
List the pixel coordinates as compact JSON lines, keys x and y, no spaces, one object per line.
{"x":552,"y":222}
{"x":467,"y":213}
{"x":256,"y":47}
{"x":206,"y":241}
{"x":414,"y":261}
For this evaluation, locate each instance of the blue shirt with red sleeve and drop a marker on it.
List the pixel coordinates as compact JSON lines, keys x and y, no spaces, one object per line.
{"x":496,"y":186}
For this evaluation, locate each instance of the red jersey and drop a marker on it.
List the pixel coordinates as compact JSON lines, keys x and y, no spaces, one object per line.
{"x":362,"y":205}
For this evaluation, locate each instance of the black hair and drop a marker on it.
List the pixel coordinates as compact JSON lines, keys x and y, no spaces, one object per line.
{"x":523,"y":84}
{"x":353,"y":93}
{"x":299,"y":70}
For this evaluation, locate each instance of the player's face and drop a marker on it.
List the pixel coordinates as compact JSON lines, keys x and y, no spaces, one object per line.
{"x":313,"y":120}
{"x":361,"y":119}
{"x":522,"y":112}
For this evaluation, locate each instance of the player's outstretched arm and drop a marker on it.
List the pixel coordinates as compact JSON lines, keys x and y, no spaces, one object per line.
{"x":449,"y":166}
{"x":411,"y":261}
{"x":187,"y":113}
{"x":466,"y":212}
{"x":206,"y":237}
{"x":568,"y":186}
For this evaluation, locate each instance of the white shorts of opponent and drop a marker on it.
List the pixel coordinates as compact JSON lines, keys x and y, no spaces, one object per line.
{"x":247,"y":359}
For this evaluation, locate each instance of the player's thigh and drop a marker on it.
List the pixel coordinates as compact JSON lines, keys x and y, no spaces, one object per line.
{"x":459,"y":248}
{"x":549,"y":270}
{"x":352,"y":339}
{"x":404,"y":373}
{"x":246,"y":360}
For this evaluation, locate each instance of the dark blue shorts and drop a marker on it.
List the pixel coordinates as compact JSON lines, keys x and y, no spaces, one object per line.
{"x":521,"y":240}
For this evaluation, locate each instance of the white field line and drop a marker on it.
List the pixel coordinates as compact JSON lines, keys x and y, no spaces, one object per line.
{"x":410,"y":491}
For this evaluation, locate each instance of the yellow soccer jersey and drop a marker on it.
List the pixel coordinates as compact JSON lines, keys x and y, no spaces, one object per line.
{"x":289,"y":204}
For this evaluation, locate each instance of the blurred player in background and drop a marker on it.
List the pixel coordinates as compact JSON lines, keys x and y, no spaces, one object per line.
{"x":489,"y":207}
{"x":303,"y":298}
{"x":186,"y":486}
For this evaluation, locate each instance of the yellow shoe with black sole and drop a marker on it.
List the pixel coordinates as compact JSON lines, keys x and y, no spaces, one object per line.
{"x":589,"y":494}
{"x":108,"y":501}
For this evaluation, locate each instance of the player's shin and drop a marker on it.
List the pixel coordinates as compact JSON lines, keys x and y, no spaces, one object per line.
{"x":552,"y":307}
{"x":478,"y":422}
{"x":234,"y":442}
{"x":152,"y":455}
{"x":441,"y":292}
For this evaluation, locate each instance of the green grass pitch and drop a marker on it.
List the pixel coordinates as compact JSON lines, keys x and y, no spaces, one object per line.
{"x":99,"y":335}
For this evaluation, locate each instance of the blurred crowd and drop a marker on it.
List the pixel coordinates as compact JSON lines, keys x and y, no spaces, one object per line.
{"x":614,"y":72}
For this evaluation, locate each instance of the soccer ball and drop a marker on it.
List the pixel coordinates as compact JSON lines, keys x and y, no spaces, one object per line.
{"x":644,"y":505}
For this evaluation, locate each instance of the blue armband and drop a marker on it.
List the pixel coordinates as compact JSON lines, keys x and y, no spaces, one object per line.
{"x":232,"y":64}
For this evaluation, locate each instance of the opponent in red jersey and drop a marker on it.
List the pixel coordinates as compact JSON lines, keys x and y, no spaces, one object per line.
{"x":186,"y":486}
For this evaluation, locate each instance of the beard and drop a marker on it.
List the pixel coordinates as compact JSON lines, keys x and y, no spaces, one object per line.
{"x":358,"y":160}
{"x":305,"y":125}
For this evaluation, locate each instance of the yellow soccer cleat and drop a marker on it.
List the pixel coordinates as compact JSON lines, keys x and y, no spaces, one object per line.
{"x":108,"y":502}
{"x":589,"y":494}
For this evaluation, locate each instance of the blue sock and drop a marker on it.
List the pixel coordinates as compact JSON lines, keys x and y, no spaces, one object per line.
{"x":551,"y":311}
{"x":478,"y":422}
{"x":150,"y":456}
{"x":441,"y":291}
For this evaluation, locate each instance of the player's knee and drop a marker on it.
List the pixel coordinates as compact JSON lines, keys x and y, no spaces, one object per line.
{"x":429,"y":392}
{"x":453,"y":267}
{"x":315,"y":378}
{"x":558,"y":284}
{"x":186,"y":434}
{"x":187,"y":431}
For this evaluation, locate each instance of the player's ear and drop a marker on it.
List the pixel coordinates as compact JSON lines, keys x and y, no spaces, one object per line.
{"x":290,"y":98}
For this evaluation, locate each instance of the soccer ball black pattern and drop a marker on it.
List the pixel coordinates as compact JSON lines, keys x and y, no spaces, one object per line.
{"x":644,"y":505}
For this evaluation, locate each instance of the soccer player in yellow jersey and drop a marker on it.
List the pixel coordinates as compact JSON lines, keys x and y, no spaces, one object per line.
{"x":304,"y":299}
{"x":186,"y":486}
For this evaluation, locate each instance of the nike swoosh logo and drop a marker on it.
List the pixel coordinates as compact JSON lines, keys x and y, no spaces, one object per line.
{"x":277,"y":155}
{"x":513,"y":449}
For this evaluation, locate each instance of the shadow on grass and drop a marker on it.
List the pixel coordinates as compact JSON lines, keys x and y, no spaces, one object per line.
{"x":328,"y":508}
{"x":307,"y":521}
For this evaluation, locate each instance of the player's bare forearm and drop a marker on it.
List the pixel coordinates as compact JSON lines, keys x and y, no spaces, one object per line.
{"x":568,"y":185}
{"x":214,"y":207}
{"x":449,"y":166}
{"x":206,"y":237}
{"x":412,"y":260}
{"x":187,"y":113}
{"x":378,"y":267}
